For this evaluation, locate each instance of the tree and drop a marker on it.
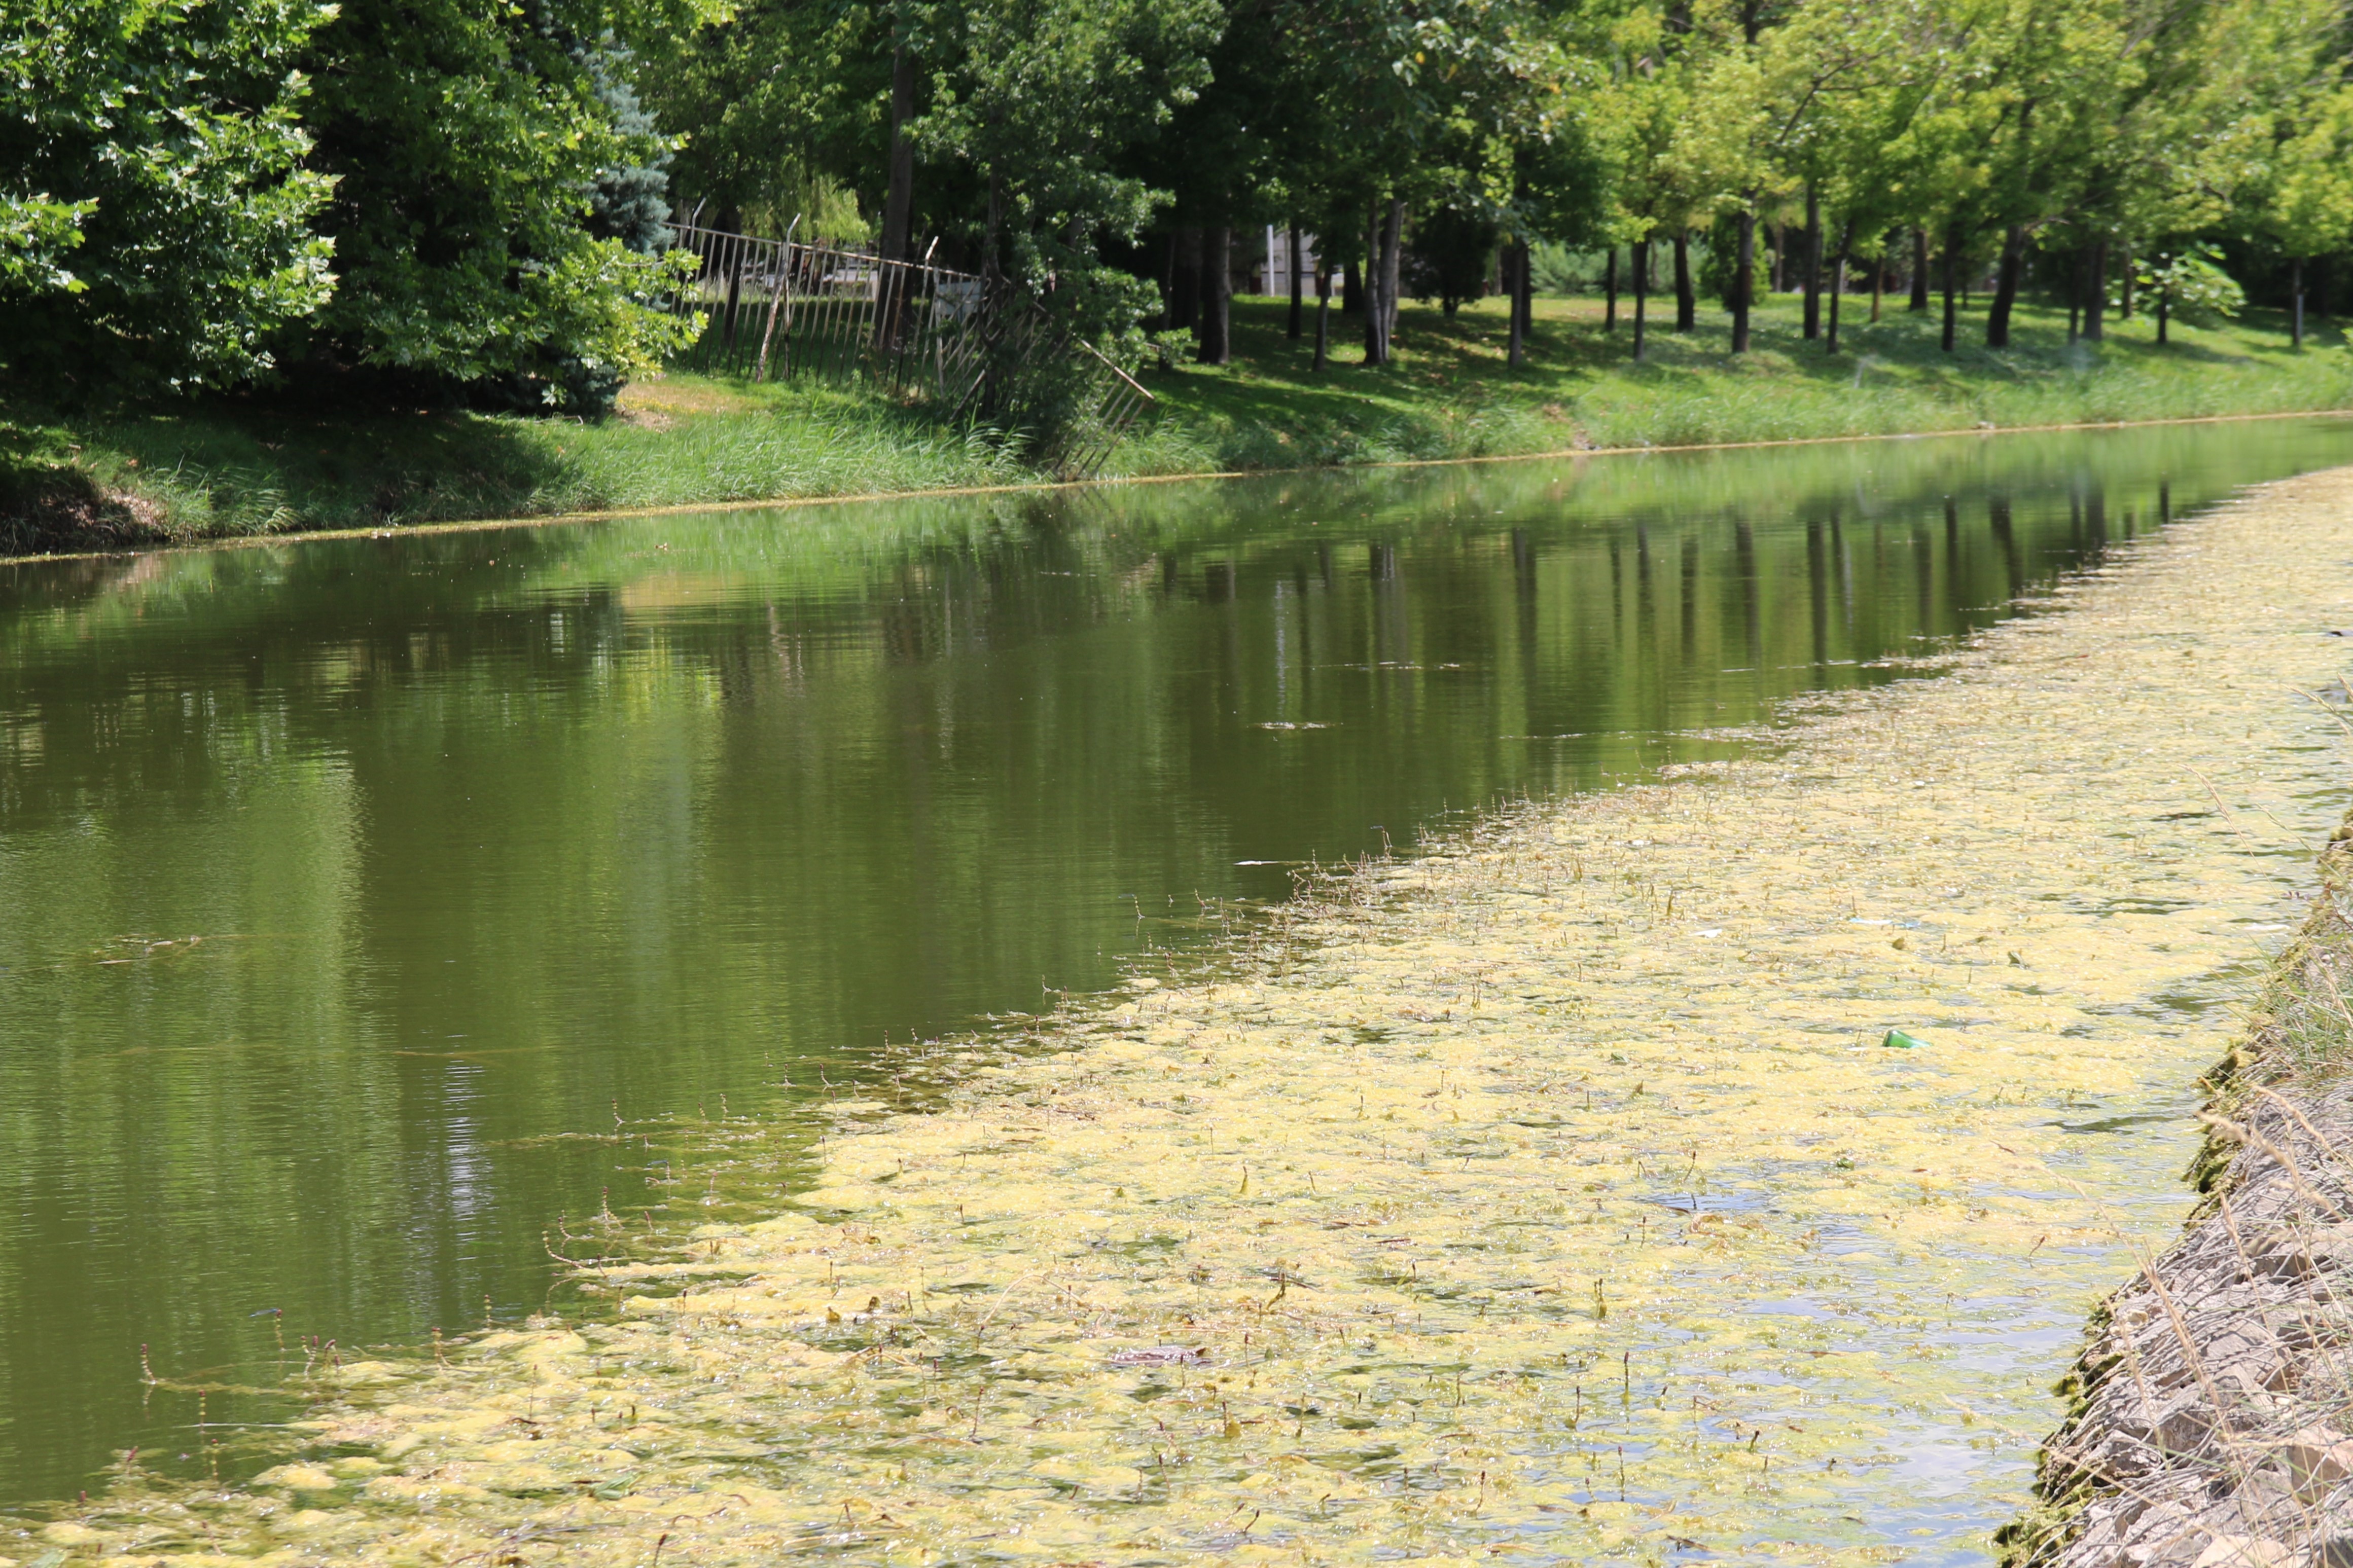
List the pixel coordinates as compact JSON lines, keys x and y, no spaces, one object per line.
{"x":1038,"y":99}
{"x":466,"y":144}
{"x":154,"y":199}
{"x":1453,"y":253}
{"x":2307,"y":202}
{"x":1653,"y":192}
{"x":786,"y":105}
{"x":1734,"y":141}
{"x":1872,"y":141}
{"x":2296,"y":112}
{"x":629,"y":201}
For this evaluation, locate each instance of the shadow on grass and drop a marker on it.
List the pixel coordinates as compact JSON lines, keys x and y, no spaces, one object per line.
{"x":237,"y":470}
{"x":1451,"y":392}
{"x":178,"y":472}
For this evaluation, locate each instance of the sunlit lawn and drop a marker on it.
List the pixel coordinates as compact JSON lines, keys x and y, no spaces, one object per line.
{"x":1451,"y":393}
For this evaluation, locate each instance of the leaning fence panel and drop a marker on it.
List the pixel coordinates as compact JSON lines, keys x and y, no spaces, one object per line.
{"x":785,"y":309}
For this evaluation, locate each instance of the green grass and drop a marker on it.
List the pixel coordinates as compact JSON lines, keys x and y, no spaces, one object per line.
{"x":182,"y":472}
{"x":186,"y":471}
{"x":1450,"y":394}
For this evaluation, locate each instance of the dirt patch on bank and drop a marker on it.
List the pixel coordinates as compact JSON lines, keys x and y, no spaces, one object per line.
{"x":2214,"y":1418}
{"x":62,"y":508}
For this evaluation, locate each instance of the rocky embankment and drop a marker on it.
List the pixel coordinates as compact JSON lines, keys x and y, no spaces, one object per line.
{"x":2213,"y":1406}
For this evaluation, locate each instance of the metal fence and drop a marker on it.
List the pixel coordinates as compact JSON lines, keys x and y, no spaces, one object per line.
{"x":775,"y":309}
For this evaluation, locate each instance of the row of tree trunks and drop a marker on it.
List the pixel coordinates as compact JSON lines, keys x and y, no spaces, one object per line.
{"x":1196,"y":282}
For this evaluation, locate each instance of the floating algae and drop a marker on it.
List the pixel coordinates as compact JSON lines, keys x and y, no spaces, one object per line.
{"x":1548,"y":1196}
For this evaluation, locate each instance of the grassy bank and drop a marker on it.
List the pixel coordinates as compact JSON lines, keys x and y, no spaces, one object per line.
{"x":184,"y":471}
{"x":1450,"y":394}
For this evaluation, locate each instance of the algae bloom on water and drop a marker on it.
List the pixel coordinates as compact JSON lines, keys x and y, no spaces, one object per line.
{"x":1799,"y":1298}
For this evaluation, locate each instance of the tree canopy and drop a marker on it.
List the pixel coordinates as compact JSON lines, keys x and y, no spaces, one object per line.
{"x":451,"y":196}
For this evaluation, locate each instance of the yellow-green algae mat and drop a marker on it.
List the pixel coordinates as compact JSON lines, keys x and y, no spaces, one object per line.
{"x":1553,"y":1196}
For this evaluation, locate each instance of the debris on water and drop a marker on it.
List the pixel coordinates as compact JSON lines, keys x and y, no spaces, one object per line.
{"x":1898,"y":1040}
{"x":1161,"y":1355}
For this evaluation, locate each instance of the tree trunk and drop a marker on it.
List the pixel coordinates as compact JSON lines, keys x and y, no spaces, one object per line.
{"x":1168,"y":282}
{"x":1686,"y":303}
{"x":1185,"y":296}
{"x":1392,"y":261}
{"x":2076,"y":295}
{"x":2124,"y":285}
{"x":1878,"y":281}
{"x":1298,"y":305}
{"x":1610,"y":294}
{"x":1779,"y":276}
{"x":1641,"y":292}
{"x":2005,"y":288}
{"x":992,"y":234}
{"x":1374,"y":314}
{"x":2295,"y":296}
{"x":1920,"y":270}
{"x":1217,"y":296}
{"x":1352,"y":289}
{"x":1322,"y":311}
{"x":1812,"y":279}
{"x":1838,"y":283}
{"x":1952,"y":284}
{"x":1524,"y":306}
{"x":1744,"y":268}
{"x":2164,"y":299}
{"x":899,"y":201}
{"x":2096,"y":298}
{"x":1515,"y":261}
{"x":731,"y":221}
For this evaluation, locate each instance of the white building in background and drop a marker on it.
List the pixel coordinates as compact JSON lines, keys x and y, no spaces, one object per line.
{"x":1273,"y":274}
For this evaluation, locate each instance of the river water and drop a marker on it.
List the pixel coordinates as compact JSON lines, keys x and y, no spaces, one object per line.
{"x":344,"y":884}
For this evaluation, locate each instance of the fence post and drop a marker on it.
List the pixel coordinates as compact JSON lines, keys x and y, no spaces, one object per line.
{"x":782,"y":287}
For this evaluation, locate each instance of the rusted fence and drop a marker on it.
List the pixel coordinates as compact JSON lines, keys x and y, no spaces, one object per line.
{"x":775,"y":309}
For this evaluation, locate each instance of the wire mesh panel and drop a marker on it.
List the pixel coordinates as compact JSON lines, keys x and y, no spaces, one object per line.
{"x":778,"y":308}
{"x":773,"y":309}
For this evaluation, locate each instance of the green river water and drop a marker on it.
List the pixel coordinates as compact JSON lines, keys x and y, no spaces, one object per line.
{"x":340,"y":880}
